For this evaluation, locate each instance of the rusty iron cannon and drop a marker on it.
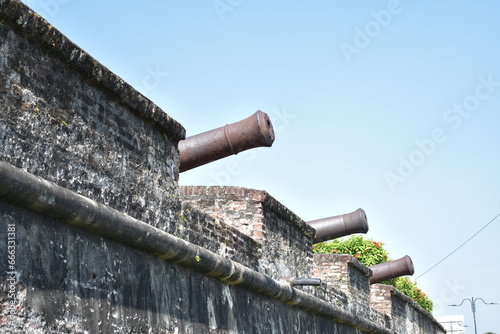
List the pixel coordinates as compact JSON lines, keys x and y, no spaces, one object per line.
{"x":254,"y":131}
{"x":391,"y":269}
{"x":339,"y":226}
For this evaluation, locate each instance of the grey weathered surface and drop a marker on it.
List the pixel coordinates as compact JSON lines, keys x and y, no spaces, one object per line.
{"x":284,"y":237}
{"x":68,"y":119}
{"x":213,"y":234}
{"x":347,"y":274}
{"x":40,"y":196}
{"x":71,"y":281}
{"x":405,"y":315}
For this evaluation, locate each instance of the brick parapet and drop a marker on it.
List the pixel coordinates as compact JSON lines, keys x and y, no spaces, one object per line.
{"x":215,"y":235}
{"x":341,"y":269}
{"x":285,"y":238}
{"x":404,"y":314}
{"x":346,"y":273}
{"x":244,"y":206}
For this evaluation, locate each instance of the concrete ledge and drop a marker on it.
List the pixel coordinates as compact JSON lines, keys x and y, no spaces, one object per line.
{"x":30,"y":192}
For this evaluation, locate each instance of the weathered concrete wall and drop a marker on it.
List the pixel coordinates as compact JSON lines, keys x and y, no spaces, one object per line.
{"x":215,"y":235}
{"x":71,"y":281}
{"x":29,"y":192}
{"x":405,"y":316}
{"x":67,"y":119}
{"x":286,"y":238}
{"x":382,"y":304}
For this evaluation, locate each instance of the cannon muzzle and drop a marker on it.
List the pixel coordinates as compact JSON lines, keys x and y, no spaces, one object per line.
{"x":339,"y":226}
{"x":254,"y":131}
{"x":391,"y":269}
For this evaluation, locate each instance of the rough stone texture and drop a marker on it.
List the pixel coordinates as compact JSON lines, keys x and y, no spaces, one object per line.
{"x":327,"y":293}
{"x":285,"y":237}
{"x":380,"y":298}
{"x":58,"y":122}
{"x":17,"y":16}
{"x":66,"y":118}
{"x":215,"y":235}
{"x":404,"y":315}
{"x":71,"y":281}
{"x":347,"y":274}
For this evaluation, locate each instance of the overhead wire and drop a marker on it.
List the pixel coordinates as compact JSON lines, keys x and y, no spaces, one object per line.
{"x":456,"y":249}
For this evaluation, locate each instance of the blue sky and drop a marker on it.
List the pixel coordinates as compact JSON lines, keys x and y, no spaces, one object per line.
{"x":391,"y":106}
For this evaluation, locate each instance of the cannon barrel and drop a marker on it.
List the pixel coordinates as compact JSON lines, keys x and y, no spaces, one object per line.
{"x":391,"y":269}
{"x":254,"y":131}
{"x":339,"y":226}
{"x":302,"y":281}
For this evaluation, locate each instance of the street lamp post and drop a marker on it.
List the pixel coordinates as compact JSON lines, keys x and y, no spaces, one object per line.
{"x":473,"y":306}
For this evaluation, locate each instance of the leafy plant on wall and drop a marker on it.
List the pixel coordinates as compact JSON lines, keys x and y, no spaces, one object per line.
{"x":369,"y":253}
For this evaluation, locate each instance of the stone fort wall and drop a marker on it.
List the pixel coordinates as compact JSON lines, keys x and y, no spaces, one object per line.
{"x":96,"y":236}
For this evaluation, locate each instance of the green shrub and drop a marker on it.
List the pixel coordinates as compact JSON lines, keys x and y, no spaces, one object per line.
{"x":410,"y":289}
{"x":369,"y":253}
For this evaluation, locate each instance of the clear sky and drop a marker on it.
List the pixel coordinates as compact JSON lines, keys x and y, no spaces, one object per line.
{"x":391,"y":106}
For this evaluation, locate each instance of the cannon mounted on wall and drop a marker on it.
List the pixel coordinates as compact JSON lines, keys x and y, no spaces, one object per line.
{"x":254,"y":131}
{"x":339,"y":226}
{"x":391,"y":269}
